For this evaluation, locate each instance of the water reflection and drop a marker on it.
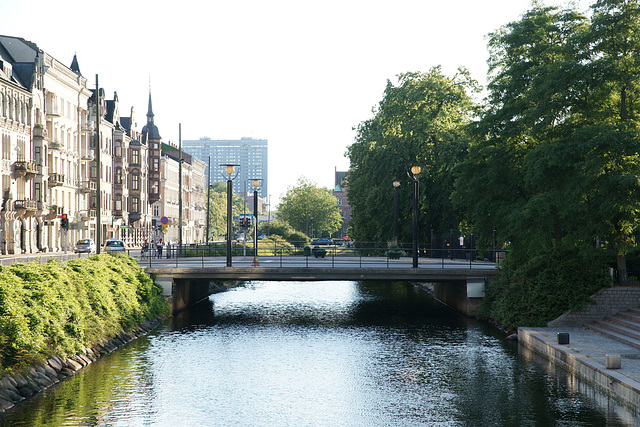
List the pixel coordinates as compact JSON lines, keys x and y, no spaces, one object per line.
{"x":328,"y":353}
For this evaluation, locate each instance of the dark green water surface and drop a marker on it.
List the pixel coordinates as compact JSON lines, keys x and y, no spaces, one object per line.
{"x":320,"y":354}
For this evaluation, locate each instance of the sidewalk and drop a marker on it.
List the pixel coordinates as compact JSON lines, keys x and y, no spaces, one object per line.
{"x":585,"y":356}
{"x":41,"y":257}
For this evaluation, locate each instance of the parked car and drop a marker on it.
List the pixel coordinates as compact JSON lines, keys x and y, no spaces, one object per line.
{"x":85,"y":245}
{"x":322,"y":241}
{"x":114,"y":245}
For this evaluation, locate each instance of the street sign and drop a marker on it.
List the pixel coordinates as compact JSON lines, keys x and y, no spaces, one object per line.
{"x":164,"y":230}
{"x":164,"y":220}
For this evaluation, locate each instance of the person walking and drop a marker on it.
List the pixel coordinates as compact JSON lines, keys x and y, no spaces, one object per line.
{"x":145,"y":249}
{"x":159,"y":247}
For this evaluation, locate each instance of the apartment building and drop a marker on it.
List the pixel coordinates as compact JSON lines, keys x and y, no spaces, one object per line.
{"x":250,"y":154}
{"x":53,"y":160}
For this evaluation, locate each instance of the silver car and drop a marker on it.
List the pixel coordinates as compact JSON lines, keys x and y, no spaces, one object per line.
{"x":86,"y":246}
{"x":114,"y":245}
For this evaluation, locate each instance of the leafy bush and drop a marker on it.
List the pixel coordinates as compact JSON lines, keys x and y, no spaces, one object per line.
{"x":59,"y":308}
{"x":542,"y":288}
{"x":273,"y":246}
{"x":297,"y":239}
{"x":279,"y":227}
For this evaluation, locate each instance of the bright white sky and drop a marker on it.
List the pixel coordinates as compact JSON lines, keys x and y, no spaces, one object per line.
{"x":300,"y":74}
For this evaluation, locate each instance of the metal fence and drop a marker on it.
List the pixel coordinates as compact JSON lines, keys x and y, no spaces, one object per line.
{"x":284,"y":254}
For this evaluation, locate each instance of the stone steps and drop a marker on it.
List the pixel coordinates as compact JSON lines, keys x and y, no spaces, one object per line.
{"x":623,"y":327}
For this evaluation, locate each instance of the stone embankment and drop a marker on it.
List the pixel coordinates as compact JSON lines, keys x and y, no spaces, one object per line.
{"x":19,"y":386}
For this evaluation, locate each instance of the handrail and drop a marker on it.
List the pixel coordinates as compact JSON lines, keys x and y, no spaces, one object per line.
{"x":284,"y":254}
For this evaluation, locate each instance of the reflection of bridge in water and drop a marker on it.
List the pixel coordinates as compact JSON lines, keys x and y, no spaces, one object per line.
{"x":185,"y":281}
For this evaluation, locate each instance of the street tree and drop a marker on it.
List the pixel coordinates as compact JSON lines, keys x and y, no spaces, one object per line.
{"x":308,"y":207}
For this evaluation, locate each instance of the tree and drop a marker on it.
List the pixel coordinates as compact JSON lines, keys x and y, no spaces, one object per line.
{"x":514,"y":179}
{"x":421,"y":120}
{"x":555,"y":160}
{"x":306,"y":207}
{"x":218,"y":209}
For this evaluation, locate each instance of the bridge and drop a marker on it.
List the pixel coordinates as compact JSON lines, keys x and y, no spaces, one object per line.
{"x":185,"y":281}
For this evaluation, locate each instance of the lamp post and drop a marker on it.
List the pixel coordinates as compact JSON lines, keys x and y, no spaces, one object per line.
{"x":229,"y":172}
{"x":396,"y":184}
{"x":208,"y":198}
{"x":415,"y":171}
{"x":256,"y":184}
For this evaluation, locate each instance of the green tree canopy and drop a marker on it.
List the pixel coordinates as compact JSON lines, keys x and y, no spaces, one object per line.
{"x":555,"y":156}
{"x":421,"y":120}
{"x":308,"y":207}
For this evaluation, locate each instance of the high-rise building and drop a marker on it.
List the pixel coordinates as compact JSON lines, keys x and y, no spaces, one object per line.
{"x":250,"y":154}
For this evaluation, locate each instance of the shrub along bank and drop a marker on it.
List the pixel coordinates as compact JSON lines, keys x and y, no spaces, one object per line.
{"x":534,"y":291}
{"x":62,"y":308}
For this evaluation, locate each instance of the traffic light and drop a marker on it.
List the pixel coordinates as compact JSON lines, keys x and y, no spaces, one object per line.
{"x":64,"y":221}
{"x":243,"y":223}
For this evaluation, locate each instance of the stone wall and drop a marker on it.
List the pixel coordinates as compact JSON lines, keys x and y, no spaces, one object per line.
{"x":21,"y":385}
{"x":606,"y":302}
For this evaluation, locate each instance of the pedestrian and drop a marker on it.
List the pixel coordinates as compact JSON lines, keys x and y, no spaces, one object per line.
{"x":159,"y":247}
{"x":145,"y":249}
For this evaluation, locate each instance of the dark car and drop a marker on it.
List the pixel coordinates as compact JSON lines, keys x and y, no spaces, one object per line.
{"x":322,"y":241}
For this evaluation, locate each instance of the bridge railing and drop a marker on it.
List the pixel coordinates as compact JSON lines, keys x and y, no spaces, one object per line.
{"x":290,"y":254}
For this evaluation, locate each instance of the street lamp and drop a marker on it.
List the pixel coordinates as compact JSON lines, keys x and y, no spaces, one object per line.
{"x":396,"y":184}
{"x":229,"y":172}
{"x":256,"y":184}
{"x":415,"y":171}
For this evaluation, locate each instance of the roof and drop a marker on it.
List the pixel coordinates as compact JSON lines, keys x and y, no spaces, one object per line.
{"x":174,"y":153}
{"x":23,"y":55}
{"x":74,"y":65}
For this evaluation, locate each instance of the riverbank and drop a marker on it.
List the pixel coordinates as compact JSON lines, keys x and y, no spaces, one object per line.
{"x":57,"y":317}
{"x":585,"y":355}
{"x":18,"y":386}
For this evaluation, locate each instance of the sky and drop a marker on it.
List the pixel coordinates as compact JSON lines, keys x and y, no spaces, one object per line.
{"x":301,"y":74}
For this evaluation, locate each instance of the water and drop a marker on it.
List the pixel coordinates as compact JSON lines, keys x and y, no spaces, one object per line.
{"x":320,"y":354}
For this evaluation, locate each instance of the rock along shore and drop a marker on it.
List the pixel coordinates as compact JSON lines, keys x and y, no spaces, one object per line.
{"x":19,"y":386}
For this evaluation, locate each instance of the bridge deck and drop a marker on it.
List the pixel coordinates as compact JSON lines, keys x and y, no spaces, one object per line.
{"x":303,"y":268}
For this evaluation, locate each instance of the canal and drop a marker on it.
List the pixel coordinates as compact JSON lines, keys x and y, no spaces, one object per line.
{"x":319,"y":354}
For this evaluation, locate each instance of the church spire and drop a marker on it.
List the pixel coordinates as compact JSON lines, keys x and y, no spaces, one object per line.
{"x":150,"y":111}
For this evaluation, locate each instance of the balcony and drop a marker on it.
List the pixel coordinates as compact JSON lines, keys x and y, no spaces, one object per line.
{"x":26,"y":204}
{"x":56,"y":179}
{"x":87,"y":155}
{"x":117,"y":214}
{"x":52,"y":112}
{"x":134,"y":216}
{"x":39,"y":132}
{"x":24,"y":168}
{"x":55,"y":145}
{"x":154,"y":197}
{"x":55,"y":212}
{"x":87,"y":186}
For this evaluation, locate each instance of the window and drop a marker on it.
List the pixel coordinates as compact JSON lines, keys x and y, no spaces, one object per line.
{"x":118,"y":177}
{"x":118,"y":202}
{"x":135,"y":157}
{"x":135,"y":204}
{"x":156,"y":164}
{"x":135,"y":181}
